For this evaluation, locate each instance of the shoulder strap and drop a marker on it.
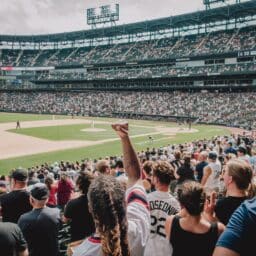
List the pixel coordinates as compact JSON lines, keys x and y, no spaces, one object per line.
{"x":214,"y":229}
{"x":175,"y":227}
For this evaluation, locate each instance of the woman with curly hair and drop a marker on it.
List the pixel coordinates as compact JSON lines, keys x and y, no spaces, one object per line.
{"x":121,"y":217}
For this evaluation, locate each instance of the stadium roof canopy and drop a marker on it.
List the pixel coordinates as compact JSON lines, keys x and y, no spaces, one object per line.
{"x":229,"y":12}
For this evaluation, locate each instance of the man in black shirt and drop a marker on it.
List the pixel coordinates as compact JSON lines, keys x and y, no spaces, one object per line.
{"x":77,"y":212}
{"x":41,"y":225}
{"x":15,"y":203}
{"x":12,"y":241}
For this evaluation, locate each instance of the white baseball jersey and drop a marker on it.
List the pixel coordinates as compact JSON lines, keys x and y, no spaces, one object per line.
{"x":161,"y":204}
{"x":138,"y":226}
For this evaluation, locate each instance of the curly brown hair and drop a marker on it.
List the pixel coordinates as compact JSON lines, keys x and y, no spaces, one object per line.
{"x":106,"y":199}
{"x":164,"y":172}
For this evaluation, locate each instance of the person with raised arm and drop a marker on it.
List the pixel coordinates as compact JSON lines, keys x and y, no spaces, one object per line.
{"x":121,"y":217}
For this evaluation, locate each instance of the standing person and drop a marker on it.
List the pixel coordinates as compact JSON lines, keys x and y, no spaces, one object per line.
{"x":162,"y":204}
{"x":191,"y":233}
{"x":238,"y":238}
{"x":77,"y":211}
{"x":64,"y":190}
{"x":41,"y":225}
{"x":12,"y":241}
{"x":121,"y":218}
{"x":15,"y":203}
{"x":52,"y":187}
{"x":200,"y":166}
{"x":211,"y":175}
{"x":185,"y":171}
{"x":237,"y":180}
{"x":17,"y":124}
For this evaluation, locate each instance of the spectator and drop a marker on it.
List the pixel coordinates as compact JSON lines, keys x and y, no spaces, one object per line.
{"x":107,"y":202}
{"x":12,"y":241}
{"x":192,"y":232}
{"x":239,"y":237}
{"x":41,"y":225}
{"x":77,"y":212}
{"x":162,"y":204}
{"x":15,"y":203}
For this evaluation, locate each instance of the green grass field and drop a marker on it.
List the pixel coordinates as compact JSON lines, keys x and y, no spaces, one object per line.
{"x":73,"y":132}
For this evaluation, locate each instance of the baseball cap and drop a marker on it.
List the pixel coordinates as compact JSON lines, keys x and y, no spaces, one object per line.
{"x":20,"y":174}
{"x":39,"y":191}
{"x":212,"y":155}
{"x":242,"y":150}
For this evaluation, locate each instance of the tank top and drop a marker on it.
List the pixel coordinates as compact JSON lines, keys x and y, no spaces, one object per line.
{"x":188,"y":243}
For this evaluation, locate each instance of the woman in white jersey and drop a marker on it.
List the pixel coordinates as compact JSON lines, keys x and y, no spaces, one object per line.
{"x":121,"y":218}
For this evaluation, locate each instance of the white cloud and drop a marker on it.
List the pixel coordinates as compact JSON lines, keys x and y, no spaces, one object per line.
{"x":52,"y":16}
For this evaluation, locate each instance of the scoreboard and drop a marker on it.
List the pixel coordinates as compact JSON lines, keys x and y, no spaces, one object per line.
{"x":103,"y":14}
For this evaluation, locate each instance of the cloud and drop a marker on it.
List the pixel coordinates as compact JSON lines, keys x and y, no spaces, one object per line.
{"x":55,"y":16}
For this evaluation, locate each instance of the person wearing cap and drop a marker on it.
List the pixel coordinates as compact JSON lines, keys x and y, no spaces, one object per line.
{"x":41,"y":225}
{"x":15,"y":203}
{"x":211,"y":173}
{"x":242,"y":154}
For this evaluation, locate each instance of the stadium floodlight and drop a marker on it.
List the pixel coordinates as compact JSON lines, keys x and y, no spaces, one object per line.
{"x":103,"y":14}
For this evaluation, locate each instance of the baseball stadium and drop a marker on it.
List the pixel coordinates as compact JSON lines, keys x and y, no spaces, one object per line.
{"x":167,"y":103}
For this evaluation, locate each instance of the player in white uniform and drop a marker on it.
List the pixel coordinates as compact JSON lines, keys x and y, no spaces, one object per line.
{"x":162,"y":204}
{"x":120,"y":230}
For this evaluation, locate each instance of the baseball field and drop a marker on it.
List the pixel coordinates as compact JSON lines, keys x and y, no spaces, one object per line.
{"x":47,"y":138}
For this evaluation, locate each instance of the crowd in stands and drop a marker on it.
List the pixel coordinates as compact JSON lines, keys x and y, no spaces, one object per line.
{"x":146,"y":72}
{"x":179,"y":199}
{"x":232,"y":109}
{"x":193,"y":45}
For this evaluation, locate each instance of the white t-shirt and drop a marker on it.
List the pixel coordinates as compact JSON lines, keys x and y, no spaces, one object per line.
{"x":212,"y":183}
{"x":138,"y":225}
{"x":161,"y":204}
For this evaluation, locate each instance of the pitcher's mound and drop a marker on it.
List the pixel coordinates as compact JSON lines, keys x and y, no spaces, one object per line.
{"x":93,"y":130}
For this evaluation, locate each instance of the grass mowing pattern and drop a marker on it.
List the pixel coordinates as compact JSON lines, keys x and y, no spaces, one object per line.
{"x":110,"y":148}
{"x":73,"y":132}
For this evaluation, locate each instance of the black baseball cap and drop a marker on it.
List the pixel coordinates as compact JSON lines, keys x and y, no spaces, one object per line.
{"x":212,"y":155}
{"x":39,"y":191}
{"x":242,"y":150}
{"x":19,"y":174}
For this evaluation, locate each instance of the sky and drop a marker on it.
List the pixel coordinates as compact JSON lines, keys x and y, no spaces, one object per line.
{"x":28,"y":17}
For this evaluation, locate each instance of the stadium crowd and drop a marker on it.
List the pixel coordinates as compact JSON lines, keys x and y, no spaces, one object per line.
{"x":179,"y":199}
{"x":193,"y":45}
{"x":145,"y":72}
{"x":232,"y":109}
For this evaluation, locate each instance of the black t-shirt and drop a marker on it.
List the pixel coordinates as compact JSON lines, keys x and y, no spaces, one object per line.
{"x":40,"y":228}
{"x":186,"y":173}
{"x":82,"y":224}
{"x":200,"y":170}
{"x":14,"y":204}
{"x":11,"y":239}
{"x":226,"y":206}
